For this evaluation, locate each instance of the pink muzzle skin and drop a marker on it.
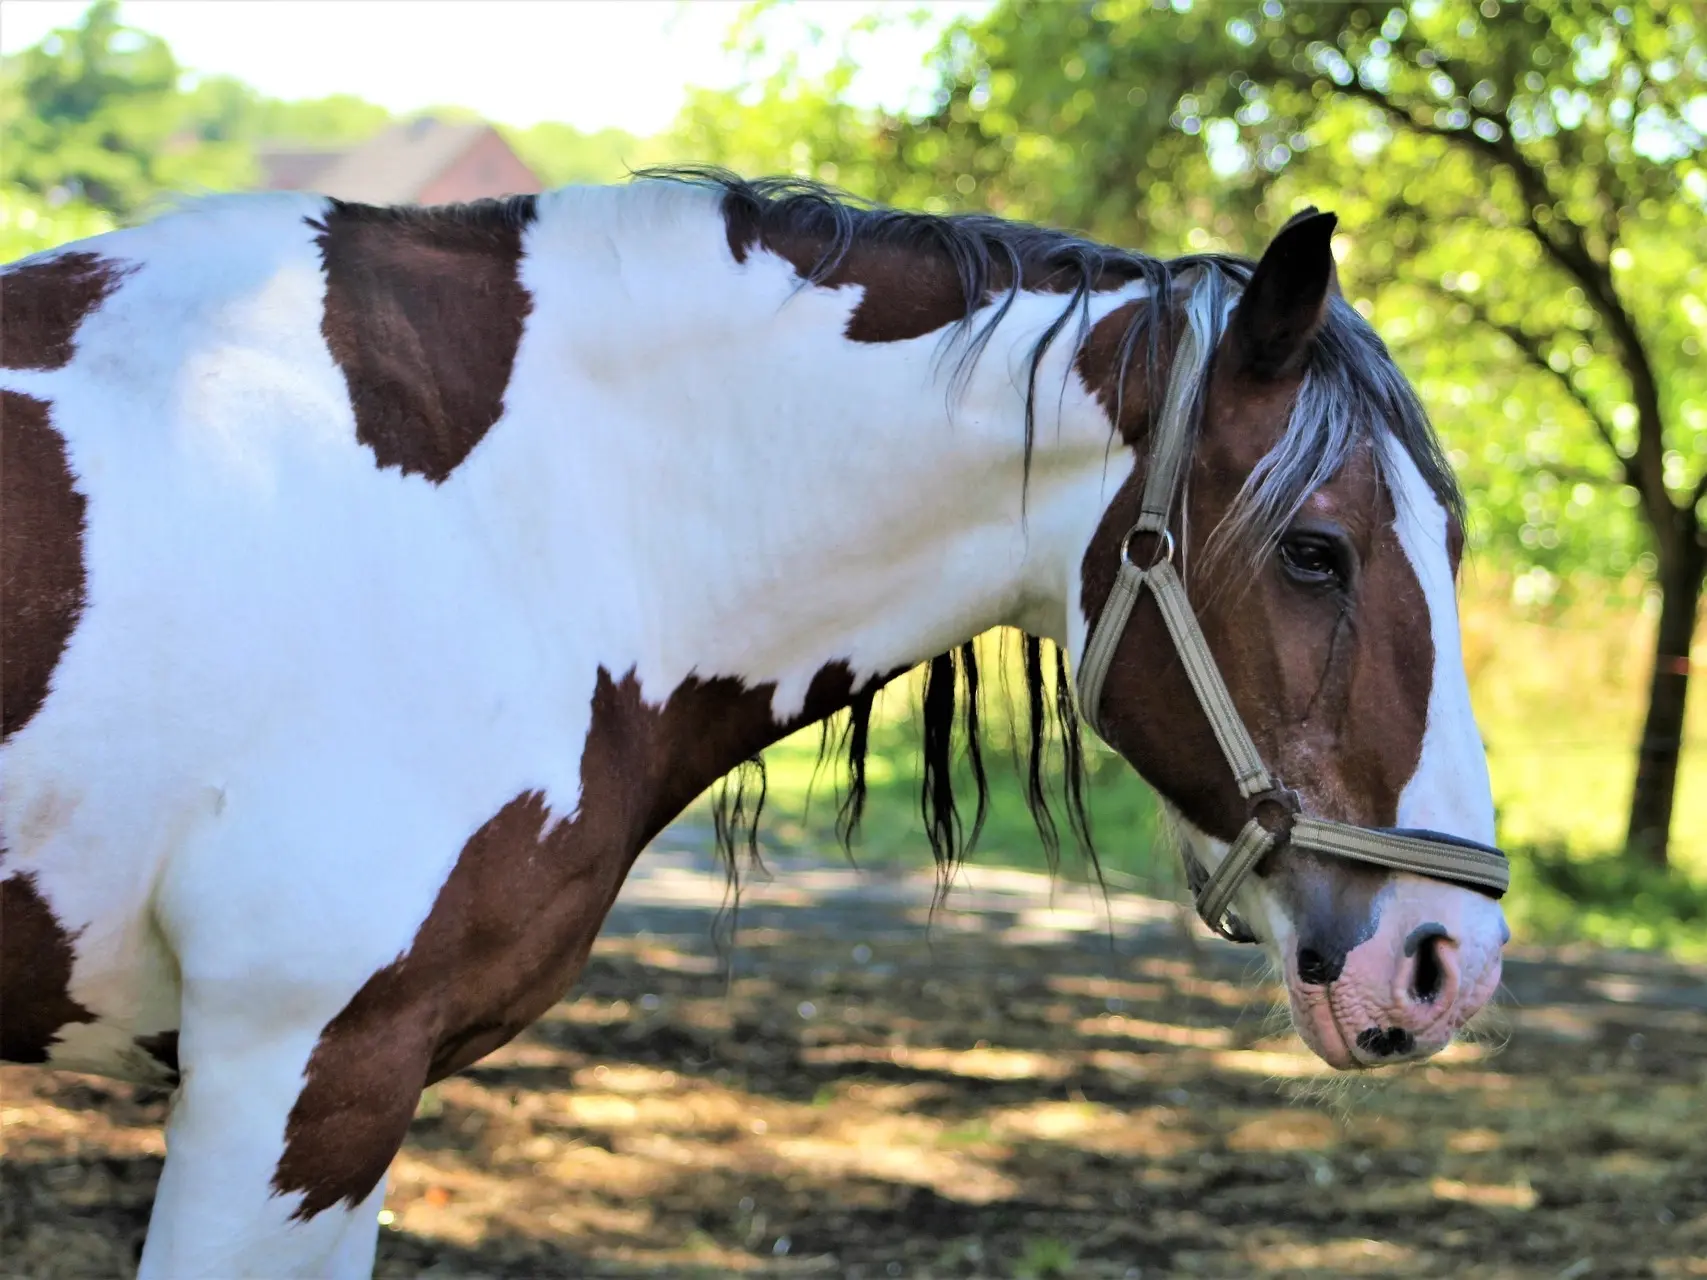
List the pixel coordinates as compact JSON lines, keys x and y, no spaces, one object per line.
{"x":1431,"y":964}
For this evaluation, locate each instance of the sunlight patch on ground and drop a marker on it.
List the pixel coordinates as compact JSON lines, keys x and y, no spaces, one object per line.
{"x":446,"y":1198}
{"x":1279,"y":1065}
{"x":55,"y":1131}
{"x":1185,"y":980}
{"x":1350,"y":1257}
{"x":1474,"y":1141}
{"x":981,"y":1064}
{"x":1069,"y":984}
{"x":1519,"y":1195}
{"x":1558,"y":1023}
{"x":876,"y":1154}
{"x":888,"y":1097}
{"x":626,"y":1078}
{"x":1150,"y":1131}
{"x":1464,"y":1051}
{"x":701,"y":1111}
{"x":1631,"y":1166}
{"x":1118,"y":1024}
{"x":1286,"y":1131}
{"x":608,"y":1173}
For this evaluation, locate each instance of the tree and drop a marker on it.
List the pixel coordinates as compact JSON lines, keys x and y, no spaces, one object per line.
{"x":93,"y":113}
{"x":223,"y":109}
{"x":1526,"y":187}
{"x":29,"y":224}
{"x":562,"y":154}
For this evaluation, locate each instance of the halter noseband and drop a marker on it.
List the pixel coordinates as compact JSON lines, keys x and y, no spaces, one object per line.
{"x":1273,"y":812}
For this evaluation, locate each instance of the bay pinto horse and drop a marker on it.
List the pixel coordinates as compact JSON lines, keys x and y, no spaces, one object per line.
{"x":379,"y":581}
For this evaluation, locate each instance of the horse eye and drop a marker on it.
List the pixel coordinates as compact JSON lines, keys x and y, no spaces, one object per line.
{"x":1314,"y":559}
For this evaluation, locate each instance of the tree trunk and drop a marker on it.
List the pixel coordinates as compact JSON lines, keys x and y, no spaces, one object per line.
{"x":1662,"y":734}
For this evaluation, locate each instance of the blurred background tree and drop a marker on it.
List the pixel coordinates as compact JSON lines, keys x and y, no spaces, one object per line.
{"x":94,"y":115}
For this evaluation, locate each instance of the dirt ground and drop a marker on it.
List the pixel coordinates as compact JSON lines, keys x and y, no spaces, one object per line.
{"x":1031,"y":1086}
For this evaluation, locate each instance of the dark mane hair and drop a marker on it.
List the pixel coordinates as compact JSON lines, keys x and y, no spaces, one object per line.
{"x":1352,"y":393}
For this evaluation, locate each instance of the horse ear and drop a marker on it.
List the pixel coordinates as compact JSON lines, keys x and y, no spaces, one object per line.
{"x":1287,"y":298}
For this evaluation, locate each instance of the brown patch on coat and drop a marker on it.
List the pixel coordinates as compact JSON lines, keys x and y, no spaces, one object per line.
{"x":514,"y":922}
{"x":36,"y":956}
{"x":43,"y":303}
{"x":41,"y":597}
{"x":1120,"y":391}
{"x":1119,"y":383}
{"x":41,"y":557}
{"x":424,"y":312}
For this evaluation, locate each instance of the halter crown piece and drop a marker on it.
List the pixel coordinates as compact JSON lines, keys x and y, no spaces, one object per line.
{"x":1425,"y":853}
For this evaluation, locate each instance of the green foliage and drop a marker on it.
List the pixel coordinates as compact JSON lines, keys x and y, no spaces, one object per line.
{"x":222,"y":109}
{"x":93,"y":114}
{"x":1046,"y":1258}
{"x":784,"y":122}
{"x":1615,"y":901}
{"x":561,"y":154}
{"x":29,"y":224}
{"x":1474,"y":152}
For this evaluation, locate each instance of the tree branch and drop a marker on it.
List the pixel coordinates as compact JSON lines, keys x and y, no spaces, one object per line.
{"x":1569,"y":251}
{"x":1531,"y":349}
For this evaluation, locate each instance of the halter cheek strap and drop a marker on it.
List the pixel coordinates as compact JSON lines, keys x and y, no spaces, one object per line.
{"x":1273,"y":816}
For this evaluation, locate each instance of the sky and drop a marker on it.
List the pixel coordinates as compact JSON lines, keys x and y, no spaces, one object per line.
{"x":589,"y":63}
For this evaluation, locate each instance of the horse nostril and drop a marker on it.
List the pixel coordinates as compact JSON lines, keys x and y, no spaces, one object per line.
{"x":1316,"y":969}
{"x":1429,"y":974}
{"x":1393,"y":1042}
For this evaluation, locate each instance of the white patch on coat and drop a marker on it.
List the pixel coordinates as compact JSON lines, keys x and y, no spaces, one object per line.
{"x":1450,"y":791}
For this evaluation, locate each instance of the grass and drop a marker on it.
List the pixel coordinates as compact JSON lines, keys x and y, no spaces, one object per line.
{"x":1559,"y":694}
{"x":1045,"y":1258}
{"x":1561,"y":896}
{"x":803,"y":812}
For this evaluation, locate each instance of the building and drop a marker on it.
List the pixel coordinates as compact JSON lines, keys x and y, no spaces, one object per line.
{"x":420,"y":161}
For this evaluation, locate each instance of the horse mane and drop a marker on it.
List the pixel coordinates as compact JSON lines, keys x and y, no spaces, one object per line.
{"x":1352,"y":394}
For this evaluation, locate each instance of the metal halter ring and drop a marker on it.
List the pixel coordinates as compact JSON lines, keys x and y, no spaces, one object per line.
{"x":1165,"y":535}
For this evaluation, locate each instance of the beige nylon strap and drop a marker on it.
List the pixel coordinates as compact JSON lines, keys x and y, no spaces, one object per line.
{"x":1212,"y":696}
{"x":1252,"y":845}
{"x":1105,"y":636}
{"x":1437,"y":859}
{"x":1168,"y":451}
{"x":1434,"y":859}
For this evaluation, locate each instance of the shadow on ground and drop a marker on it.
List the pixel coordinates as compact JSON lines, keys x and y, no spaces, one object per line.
{"x":1032,"y":1084}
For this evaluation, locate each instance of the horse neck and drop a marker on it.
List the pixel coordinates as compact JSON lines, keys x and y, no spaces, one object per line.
{"x":735,"y":488}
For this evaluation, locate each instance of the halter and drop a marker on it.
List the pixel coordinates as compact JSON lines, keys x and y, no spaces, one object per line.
{"x":1273,"y":812}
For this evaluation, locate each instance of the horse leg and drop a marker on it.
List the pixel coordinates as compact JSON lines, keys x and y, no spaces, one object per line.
{"x":353,"y":1255}
{"x":251,"y":1187}
{"x":290,"y":1108}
